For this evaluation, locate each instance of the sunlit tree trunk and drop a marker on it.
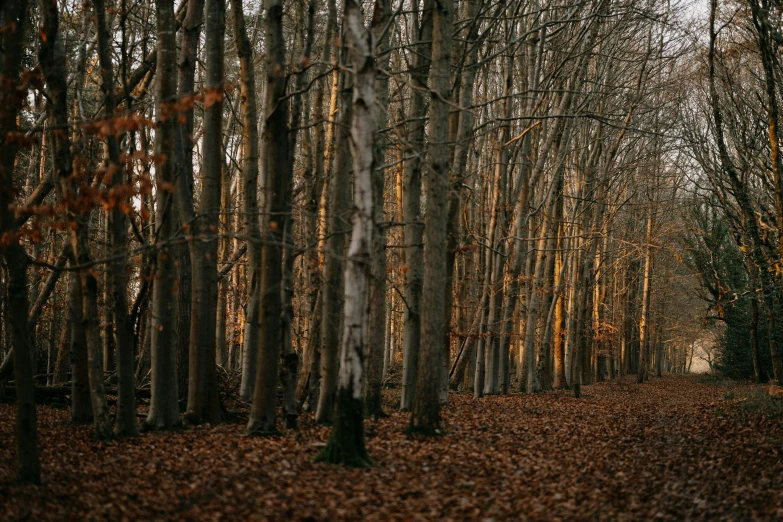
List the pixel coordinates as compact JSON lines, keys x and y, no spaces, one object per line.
{"x":247,"y":93}
{"x":337,"y":213}
{"x":644,"y":317}
{"x":309,"y":378}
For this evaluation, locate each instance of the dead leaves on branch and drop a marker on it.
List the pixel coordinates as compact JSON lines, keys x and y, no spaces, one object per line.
{"x":671,"y":449}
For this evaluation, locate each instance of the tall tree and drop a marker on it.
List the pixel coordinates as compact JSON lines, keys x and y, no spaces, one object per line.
{"x":425,"y":417}
{"x":13,"y":17}
{"x":411,"y":204}
{"x":346,"y":443}
{"x":377,"y":284}
{"x":277,"y":201}
{"x":186,"y":81}
{"x":333,"y":287}
{"x":118,"y":237}
{"x":203,"y":402}
{"x":164,"y":410}
{"x":247,"y":93}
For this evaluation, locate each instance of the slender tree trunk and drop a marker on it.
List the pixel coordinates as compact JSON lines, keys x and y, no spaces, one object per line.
{"x":414,"y":230}
{"x":346,"y":443}
{"x":377,"y":283}
{"x":81,"y":408}
{"x":754,"y":322}
{"x":426,"y":405}
{"x":463,"y":143}
{"x":558,"y":347}
{"x":186,"y":81}
{"x":164,"y":409}
{"x":203,"y":402}
{"x":332,"y":289}
{"x":247,"y":93}
{"x":13,"y":16}
{"x":117,"y":271}
{"x":644,"y":317}
{"x":309,"y":378}
{"x":277,"y":200}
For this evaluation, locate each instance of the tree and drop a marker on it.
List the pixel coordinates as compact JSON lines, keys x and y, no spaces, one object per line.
{"x":277,"y":201}
{"x":346,"y":442}
{"x":411,"y":203}
{"x":425,"y":417}
{"x":164,"y":411}
{"x":118,"y":237}
{"x":203,"y":402}
{"x":13,"y":15}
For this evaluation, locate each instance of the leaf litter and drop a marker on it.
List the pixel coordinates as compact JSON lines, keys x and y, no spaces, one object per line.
{"x":677,"y":448}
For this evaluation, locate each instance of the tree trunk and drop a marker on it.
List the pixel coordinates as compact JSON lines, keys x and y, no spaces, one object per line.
{"x":558,"y":347}
{"x":309,"y":378}
{"x":203,"y":402}
{"x":164,"y":409}
{"x":332,"y":289}
{"x":644,"y":317}
{"x":426,"y":405}
{"x":377,"y":282}
{"x":411,"y":202}
{"x":346,"y":443}
{"x":463,"y":142}
{"x":247,"y":94}
{"x":13,"y":16}
{"x":186,"y":81}
{"x":81,"y":409}
{"x":117,"y":271}
{"x":277,"y":200}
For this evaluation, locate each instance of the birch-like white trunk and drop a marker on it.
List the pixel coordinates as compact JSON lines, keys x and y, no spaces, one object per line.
{"x":346,"y":444}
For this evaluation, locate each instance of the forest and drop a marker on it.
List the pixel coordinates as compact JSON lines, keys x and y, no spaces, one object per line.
{"x":391,"y":259}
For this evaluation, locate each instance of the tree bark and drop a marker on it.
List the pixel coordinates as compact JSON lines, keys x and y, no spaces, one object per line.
{"x":13,"y":16}
{"x":346,"y":443}
{"x":411,"y":201}
{"x":309,"y":378}
{"x":117,"y":271}
{"x":164,"y":409}
{"x":644,"y":316}
{"x":332,"y":289}
{"x":247,"y":94}
{"x":377,"y":282}
{"x":186,"y":80}
{"x":277,"y":200}
{"x":425,"y":417}
{"x":203,"y":402}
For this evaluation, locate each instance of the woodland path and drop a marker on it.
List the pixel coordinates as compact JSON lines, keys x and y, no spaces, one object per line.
{"x":676,"y":448}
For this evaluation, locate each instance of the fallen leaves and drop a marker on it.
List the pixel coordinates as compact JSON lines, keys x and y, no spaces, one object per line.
{"x":670,"y":449}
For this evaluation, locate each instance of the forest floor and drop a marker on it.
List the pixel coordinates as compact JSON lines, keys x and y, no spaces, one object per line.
{"x":677,"y":448}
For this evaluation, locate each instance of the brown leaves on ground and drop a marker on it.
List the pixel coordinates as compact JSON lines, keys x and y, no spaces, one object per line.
{"x":672,"y":449}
